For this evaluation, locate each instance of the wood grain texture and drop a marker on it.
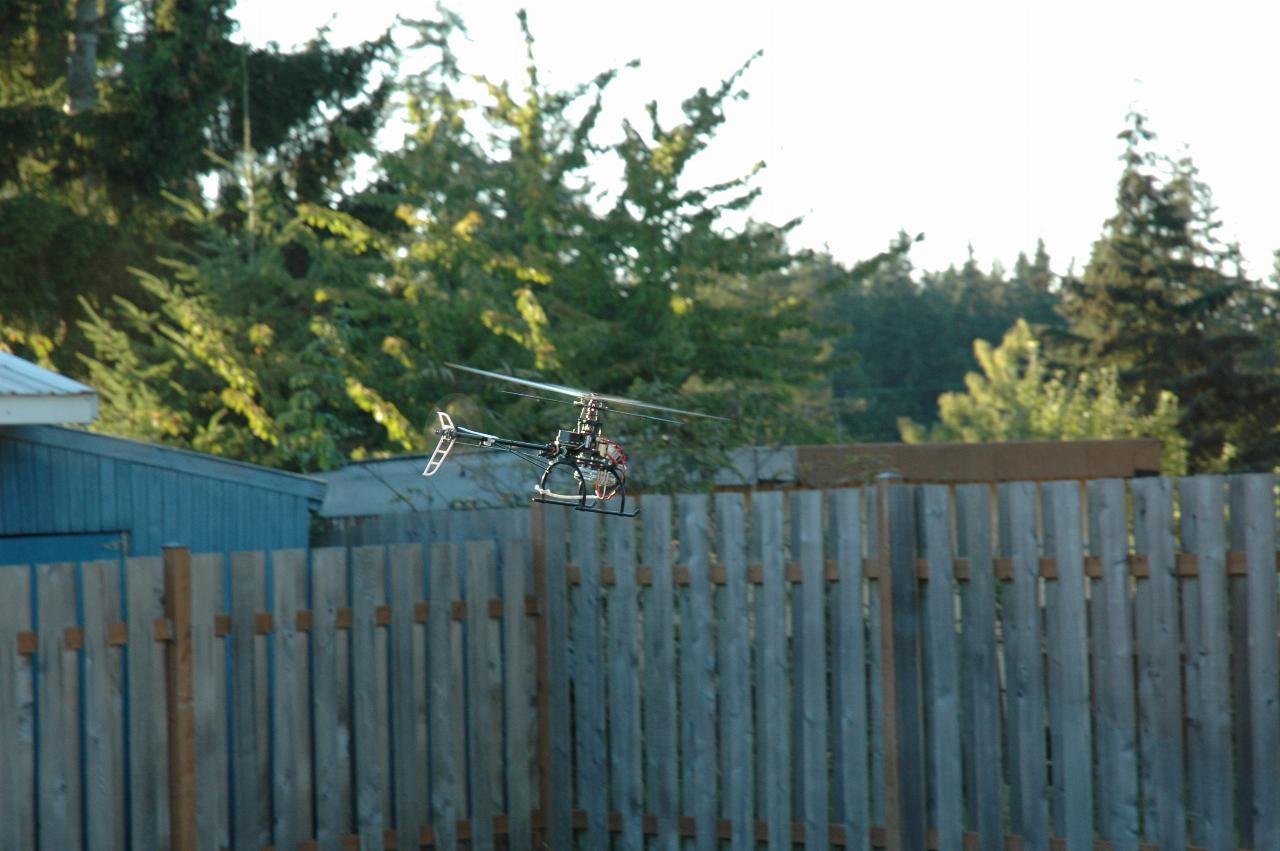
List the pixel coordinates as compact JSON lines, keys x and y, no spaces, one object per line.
{"x":406,"y":563}
{"x":368,"y":682}
{"x":180,"y":698}
{"x":849,"y":670}
{"x":875,"y":660}
{"x":697,"y":673}
{"x":1158,"y":637}
{"x":247,"y":599}
{"x":1254,"y":533}
{"x":491,"y":690}
{"x":1242,"y":738}
{"x":448,"y":792}
{"x":291,"y":716}
{"x":381,"y":686}
{"x":213,"y":782}
{"x":58,"y":696}
{"x":328,"y":594}
{"x":773,"y":728}
{"x":517,"y":687}
{"x":556,"y":612}
{"x":983,"y":721}
{"x":1069,"y":708}
{"x":148,"y":804}
{"x":906,"y":707}
{"x":942,"y":682}
{"x":17,"y":777}
{"x":734,"y":652}
{"x":813,"y":787}
{"x":625,"y":754}
{"x":591,"y":764}
{"x":660,"y":720}
{"x":418,"y":661}
{"x":484,"y":730}
{"x":1028,"y":761}
{"x":1115,"y":714}
{"x":1208,"y":676}
{"x":103,"y":707}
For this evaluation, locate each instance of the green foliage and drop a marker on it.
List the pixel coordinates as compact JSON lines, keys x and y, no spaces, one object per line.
{"x":644,"y":292}
{"x":86,"y":162}
{"x":1164,"y":303}
{"x":912,"y":333}
{"x":263,"y":344}
{"x":1019,"y":396}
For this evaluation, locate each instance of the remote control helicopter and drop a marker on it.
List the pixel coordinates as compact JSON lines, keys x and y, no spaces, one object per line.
{"x":582,"y":468}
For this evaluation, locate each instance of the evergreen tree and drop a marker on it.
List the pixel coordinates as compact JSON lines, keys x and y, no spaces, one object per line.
{"x":1036,"y":289}
{"x":912,"y":333}
{"x":1165,"y":303}
{"x":106,"y":110}
{"x":242,"y":349}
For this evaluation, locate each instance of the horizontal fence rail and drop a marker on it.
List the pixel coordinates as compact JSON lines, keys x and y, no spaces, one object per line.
{"x":1062,"y":665}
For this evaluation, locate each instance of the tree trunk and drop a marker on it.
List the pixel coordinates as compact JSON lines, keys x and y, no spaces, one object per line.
{"x":82,"y":59}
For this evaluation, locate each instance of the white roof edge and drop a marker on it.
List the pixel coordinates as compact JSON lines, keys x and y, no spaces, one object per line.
{"x":33,"y":395}
{"x":23,"y":378}
{"x":49,"y":410}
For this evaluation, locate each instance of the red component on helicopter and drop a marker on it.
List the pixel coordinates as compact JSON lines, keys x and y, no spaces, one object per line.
{"x":616,"y":469}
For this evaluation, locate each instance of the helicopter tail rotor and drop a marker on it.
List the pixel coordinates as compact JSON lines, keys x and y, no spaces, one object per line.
{"x":448,"y":434}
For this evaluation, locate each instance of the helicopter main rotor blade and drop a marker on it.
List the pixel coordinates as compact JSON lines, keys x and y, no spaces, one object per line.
{"x":645,"y":416}
{"x":583,"y":394}
{"x":537,"y":385}
{"x":539,"y":398}
{"x":622,"y":400}
{"x":615,"y":410}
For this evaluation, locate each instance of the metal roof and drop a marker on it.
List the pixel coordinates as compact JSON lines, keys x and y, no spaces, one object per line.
{"x":31,"y":394}
{"x":171,"y":458}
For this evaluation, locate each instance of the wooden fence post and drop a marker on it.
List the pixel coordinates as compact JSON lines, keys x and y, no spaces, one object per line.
{"x":888,"y":691}
{"x":180,"y":699}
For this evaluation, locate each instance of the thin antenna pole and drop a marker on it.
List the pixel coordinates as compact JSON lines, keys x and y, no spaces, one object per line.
{"x":250,"y":181}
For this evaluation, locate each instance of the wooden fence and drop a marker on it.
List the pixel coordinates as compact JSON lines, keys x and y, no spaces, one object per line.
{"x":1064,"y":665}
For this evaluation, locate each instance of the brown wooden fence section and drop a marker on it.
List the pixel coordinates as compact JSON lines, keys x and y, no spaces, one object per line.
{"x":1045,"y":666}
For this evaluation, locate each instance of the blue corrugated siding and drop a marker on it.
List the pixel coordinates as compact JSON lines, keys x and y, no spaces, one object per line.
{"x":59,"y":489}
{"x":8,"y":495}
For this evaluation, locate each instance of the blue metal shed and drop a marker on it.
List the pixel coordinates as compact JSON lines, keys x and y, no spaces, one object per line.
{"x":71,"y":495}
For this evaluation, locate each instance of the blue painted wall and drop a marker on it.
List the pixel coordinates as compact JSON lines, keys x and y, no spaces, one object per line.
{"x":63,"y":483}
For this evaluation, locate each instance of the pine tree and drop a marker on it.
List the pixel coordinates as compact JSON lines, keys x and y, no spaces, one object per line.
{"x":1165,"y":303}
{"x":1035,"y":289}
{"x":913,"y":334}
{"x":266,"y":343}
{"x":106,"y":111}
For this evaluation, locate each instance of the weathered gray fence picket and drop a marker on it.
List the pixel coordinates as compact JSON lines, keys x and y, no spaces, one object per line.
{"x":900,"y":666}
{"x":1160,"y":695}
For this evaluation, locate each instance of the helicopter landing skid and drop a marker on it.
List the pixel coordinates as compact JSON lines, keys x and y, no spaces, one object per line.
{"x":620,"y":511}
{"x":580,"y":501}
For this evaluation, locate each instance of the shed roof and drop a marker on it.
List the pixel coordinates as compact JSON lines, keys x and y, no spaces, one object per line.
{"x":31,"y":394}
{"x":168,"y":457}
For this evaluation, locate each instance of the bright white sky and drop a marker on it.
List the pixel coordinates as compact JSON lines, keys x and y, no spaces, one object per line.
{"x":989,"y":123}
